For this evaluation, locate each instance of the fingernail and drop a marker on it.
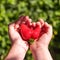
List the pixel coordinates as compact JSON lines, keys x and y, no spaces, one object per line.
{"x":30,"y":20}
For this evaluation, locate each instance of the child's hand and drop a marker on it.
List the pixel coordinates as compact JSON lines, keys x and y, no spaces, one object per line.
{"x":46,"y":34}
{"x":14,"y":34}
{"x":40,"y":47}
{"x":19,"y":46}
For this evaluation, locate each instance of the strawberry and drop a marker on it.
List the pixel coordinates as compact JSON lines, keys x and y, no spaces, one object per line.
{"x":36,"y":32}
{"x":25,"y":32}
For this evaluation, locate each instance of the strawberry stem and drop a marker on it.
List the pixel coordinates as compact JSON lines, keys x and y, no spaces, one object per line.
{"x":30,"y":41}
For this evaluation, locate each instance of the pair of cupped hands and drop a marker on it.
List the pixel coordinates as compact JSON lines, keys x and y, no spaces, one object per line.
{"x":43,"y":40}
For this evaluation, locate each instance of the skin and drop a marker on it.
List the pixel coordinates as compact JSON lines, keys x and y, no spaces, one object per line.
{"x":19,"y":47}
{"x":39,"y":48}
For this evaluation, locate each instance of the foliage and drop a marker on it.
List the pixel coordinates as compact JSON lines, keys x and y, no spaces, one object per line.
{"x":49,"y":10}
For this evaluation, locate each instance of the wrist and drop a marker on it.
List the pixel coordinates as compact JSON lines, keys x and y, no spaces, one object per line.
{"x":42,"y":53}
{"x":22,"y":47}
{"x":22,"y":44}
{"x":17,"y":51}
{"x":38,"y":47}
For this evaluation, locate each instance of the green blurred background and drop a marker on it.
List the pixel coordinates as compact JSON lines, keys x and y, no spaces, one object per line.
{"x":49,"y":10}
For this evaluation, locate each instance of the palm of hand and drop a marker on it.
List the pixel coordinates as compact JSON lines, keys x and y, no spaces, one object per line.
{"x":43,"y":41}
{"x":14,"y":34}
{"x":46,"y":35}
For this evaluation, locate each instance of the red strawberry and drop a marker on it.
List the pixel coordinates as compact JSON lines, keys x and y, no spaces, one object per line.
{"x":25,"y":32}
{"x":36,"y":32}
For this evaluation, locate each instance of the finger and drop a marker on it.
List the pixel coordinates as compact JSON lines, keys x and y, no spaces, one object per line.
{"x":33,"y":24}
{"x":29,"y":20}
{"x":19,"y":20}
{"x":49,"y":28}
{"x":16,"y":26}
{"x":11,"y":26}
{"x":30,"y":24}
{"x":22,"y":19}
{"x":42,"y":22}
{"x":38,"y":24}
{"x":26,"y":18}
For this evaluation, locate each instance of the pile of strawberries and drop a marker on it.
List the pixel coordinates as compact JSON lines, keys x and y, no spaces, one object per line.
{"x":29,"y":31}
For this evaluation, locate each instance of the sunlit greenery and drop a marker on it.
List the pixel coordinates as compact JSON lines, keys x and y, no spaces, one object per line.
{"x":49,"y":10}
